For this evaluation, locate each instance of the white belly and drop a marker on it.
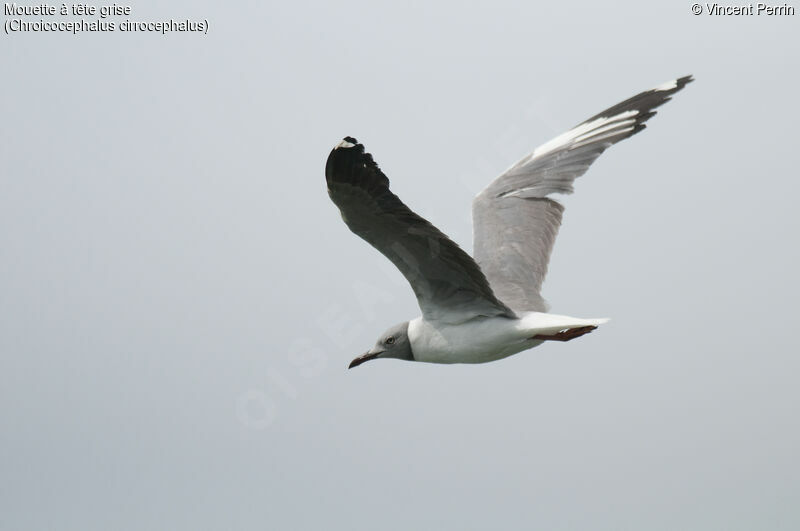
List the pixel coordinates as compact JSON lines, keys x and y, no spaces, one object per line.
{"x":476,"y":341}
{"x":485,"y":338}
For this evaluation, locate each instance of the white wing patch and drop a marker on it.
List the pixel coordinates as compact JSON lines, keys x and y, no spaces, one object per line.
{"x":344,"y":144}
{"x":602,"y":132}
{"x":669,"y":85}
{"x":585,"y":132}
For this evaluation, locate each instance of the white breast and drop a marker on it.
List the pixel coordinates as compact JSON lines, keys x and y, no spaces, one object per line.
{"x":476,"y":341}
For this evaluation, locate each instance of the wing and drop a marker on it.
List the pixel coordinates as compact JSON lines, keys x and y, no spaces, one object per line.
{"x":515,"y":223}
{"x":449,"y":285}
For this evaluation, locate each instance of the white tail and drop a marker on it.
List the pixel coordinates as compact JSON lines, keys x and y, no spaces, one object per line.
{"x":548,"y":323}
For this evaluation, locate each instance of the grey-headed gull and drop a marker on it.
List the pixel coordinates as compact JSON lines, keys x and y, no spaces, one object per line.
{"x":485,"y":308}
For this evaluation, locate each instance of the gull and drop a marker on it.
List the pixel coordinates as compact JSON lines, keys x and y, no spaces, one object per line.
{"x":486,"y":308}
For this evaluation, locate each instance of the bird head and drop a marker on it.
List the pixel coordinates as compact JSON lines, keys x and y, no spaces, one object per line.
{"x":393,"y":343}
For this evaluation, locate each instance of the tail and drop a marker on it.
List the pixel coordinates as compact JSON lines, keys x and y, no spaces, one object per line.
{"x":550,"y":323}
{"x":564,"y":328}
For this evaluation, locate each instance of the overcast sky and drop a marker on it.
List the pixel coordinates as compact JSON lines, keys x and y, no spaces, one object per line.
{"x":179,"y":299}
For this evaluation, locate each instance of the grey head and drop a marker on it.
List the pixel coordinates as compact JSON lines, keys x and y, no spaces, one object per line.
{"x":393,"y":343}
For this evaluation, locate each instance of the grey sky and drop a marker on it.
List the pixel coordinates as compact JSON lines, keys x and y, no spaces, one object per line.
{"x":180,"y":299}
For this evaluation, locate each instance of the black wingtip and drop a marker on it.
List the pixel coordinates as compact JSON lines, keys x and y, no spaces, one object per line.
{"x":678,"y":84}
{"x":348,"y":162}
{"x":645,"y":103}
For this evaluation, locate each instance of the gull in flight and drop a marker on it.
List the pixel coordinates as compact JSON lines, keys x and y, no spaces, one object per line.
{"x":487,"y":307}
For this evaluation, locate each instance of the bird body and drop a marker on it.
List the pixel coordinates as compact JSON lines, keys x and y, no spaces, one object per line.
{"x":486,"y":308}
{"x":485,"y":339}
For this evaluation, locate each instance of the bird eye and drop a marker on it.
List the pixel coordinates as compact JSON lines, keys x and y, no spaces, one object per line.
{"x":390,"y":340}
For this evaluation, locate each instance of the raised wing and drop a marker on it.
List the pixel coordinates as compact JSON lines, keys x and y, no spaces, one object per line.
{"x":515,"y":223}
{"x":449,"y":285}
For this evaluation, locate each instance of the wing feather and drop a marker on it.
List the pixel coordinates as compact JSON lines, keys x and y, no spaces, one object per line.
{"x":515,"y":223}
{"x":448,"y":284}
